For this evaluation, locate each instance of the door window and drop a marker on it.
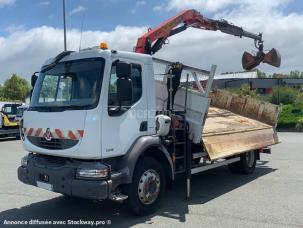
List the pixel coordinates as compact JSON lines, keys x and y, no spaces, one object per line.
{"x":114,"y":108}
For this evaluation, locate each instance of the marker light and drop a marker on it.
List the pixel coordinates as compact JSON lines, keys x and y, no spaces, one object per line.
{"x":103,"y":46}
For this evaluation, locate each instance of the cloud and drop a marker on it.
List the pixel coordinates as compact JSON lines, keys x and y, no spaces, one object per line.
{"x":138,"y":4}
{"x":15,"y":28}
{"x":45,"y":3}
{"x":24,"y":51}
{"x":78,"y":9}
{"x":205,"y":5}
{"x":4,"y":3}
{"x":215,"y":6}
{"x":158,"y":8}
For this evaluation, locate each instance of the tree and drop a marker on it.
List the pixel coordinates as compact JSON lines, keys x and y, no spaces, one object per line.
{"x":295,"y":74}
{"x":299,"y":99}
{"x":244,"y":90}
{"x":279,"y":75}
{"x":261,"y":74}
{"x":16,"y":88}
{"x":1,"y":90}
{"x":284,"y":95}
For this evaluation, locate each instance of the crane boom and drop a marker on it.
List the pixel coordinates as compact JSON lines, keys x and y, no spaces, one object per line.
{"x":153,"y":40}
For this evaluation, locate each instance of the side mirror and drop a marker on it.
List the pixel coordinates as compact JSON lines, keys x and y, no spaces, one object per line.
{"x":33,"y":82}
{"x":124,"y":83}
{"x":124,"y":89}
{"x":123,"y":70}
{"x":34,"y":79}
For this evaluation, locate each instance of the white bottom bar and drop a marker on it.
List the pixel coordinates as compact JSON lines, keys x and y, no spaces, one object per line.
{"x":215,"y":165}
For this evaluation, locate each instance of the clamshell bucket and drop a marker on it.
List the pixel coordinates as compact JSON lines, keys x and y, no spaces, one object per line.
{"x":250,"y":61}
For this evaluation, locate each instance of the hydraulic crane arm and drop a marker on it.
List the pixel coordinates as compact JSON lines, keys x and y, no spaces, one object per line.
{"x":154,"y":39}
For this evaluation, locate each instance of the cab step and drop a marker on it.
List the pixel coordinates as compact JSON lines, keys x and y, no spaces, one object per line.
{"x":118,"y":197}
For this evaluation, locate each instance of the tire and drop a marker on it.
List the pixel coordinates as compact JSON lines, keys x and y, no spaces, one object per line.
{"x":246,"y":165}
{"x":148,"y":169}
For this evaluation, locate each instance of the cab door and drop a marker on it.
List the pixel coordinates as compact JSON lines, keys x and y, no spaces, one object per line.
{"x":121,"y":126}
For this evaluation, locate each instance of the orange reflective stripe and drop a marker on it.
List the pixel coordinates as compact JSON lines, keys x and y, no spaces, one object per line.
{"x":81,"y":133}
{"x":38,"y":132}
{"x":71,"y":135}
{"x":30,"y":131}
{"x":59,"y":134}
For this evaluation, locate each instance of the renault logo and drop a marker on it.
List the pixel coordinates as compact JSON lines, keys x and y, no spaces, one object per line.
{"x":48,"y":135}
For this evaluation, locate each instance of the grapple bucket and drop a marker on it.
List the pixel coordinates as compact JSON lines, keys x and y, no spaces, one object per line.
{"x":249,"y":61}
{"x":272,"y":58}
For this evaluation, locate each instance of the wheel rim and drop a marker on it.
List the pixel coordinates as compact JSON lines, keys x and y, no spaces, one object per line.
{"x":250,"y":158}
{"x":149,"y":186}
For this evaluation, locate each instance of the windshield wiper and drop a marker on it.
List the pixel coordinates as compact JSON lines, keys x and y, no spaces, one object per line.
{"x":76,"y":106}
{"x":57,"y":108}
{"x":47,"y":108}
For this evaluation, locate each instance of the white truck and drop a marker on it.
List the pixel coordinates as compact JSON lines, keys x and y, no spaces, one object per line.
{"x":107,"y":124}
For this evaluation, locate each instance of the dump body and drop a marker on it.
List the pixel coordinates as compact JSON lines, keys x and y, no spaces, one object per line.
{"x":234,"y":124}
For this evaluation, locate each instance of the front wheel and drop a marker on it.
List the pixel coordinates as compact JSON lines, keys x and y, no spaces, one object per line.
{"x":147,"y":188}
{"x":246,"y":165}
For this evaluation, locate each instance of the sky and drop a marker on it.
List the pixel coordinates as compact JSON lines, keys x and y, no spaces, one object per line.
{"x":31,"y":31}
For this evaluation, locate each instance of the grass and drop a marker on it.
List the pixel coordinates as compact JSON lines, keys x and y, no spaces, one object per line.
{"x":291,"y":117}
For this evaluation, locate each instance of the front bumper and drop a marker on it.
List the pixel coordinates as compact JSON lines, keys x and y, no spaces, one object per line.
{"x":61,"y":175}
{"x":9,"y":132}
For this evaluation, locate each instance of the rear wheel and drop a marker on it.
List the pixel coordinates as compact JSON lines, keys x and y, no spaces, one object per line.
{"x":246,"y":165}
{"x":147,"y":188}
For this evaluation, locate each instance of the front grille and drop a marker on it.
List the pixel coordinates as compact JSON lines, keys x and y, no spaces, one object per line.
{"x":49,"y":161}
{"x":54,"y":160}
{"x":53,"y":144}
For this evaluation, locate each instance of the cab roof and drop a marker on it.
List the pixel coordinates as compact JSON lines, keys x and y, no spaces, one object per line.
{"x":96,"y":52}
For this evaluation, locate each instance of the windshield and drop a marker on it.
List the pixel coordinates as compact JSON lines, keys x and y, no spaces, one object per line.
{"x":10,"y":109}
{"x":71,"y":84}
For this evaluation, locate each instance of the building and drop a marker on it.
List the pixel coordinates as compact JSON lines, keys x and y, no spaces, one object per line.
{"x":262,"y":85}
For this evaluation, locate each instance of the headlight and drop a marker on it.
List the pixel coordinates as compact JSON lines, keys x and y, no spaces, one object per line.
{"x":24,"y":161}
{"x":84,"y":173}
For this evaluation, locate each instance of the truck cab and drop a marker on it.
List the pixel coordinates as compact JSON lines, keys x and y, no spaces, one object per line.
{"x":77,"y":101}
{"x":10,"y":110}
{"x":91,"y":115}
{"x":8,"y":124}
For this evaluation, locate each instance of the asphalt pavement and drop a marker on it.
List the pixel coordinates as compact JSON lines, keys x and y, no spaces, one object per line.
{"x":271,"y":197}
